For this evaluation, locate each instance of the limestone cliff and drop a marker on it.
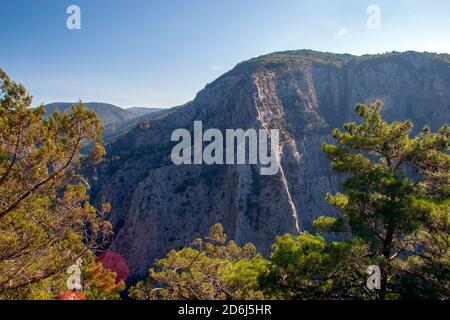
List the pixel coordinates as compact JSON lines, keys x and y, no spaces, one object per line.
{"x":158,"y":206}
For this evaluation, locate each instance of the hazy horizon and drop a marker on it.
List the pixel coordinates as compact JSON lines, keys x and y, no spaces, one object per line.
{"x":101,"y":102}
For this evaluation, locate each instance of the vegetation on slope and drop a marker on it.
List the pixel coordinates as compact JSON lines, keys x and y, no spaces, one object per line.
{"x":395,"y":202}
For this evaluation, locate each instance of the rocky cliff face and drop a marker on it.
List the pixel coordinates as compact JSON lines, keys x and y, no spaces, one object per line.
{"x":158,"y":206}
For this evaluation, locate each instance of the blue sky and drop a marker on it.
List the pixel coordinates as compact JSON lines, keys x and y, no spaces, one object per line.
{"x":159,"y":53}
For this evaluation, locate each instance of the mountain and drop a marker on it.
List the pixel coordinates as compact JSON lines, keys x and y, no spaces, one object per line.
{"x":158,"y":206}
{"x":107,"y":113}
{"x":116,"y":121}
{"x":140,"y":111}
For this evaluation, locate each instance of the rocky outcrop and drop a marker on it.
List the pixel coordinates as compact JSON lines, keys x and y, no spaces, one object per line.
{"x":158,"y":206}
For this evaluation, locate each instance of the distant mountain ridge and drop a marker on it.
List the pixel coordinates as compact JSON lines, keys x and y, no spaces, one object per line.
{"x":116,"y":120}
{"x":107,"y":113}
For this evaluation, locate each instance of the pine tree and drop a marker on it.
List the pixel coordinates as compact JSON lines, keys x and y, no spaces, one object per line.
{"x":46,"y":220}
{"x":396,"y":200}
{"x":211,"y":269}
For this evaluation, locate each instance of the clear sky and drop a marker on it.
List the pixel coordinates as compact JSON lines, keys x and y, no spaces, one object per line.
{"x":159,"y":53}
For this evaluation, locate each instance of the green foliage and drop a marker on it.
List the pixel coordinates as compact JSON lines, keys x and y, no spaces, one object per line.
{"x":395,"y":199}
{"x":302,"y":57}
{"x":211,"y":269}
{"x":308,"y":267}
{"x":46,"y":220}
{"x":328,"y":224}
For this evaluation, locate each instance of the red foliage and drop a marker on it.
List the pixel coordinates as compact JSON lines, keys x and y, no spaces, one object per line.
{"x":116,"y":263}
{"x":72,"y":295}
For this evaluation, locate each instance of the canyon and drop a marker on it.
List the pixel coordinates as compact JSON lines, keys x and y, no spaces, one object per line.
{"x":158,"y":206}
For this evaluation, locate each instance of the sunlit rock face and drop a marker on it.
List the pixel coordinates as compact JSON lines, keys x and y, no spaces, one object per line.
{"x":158,"y":206}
